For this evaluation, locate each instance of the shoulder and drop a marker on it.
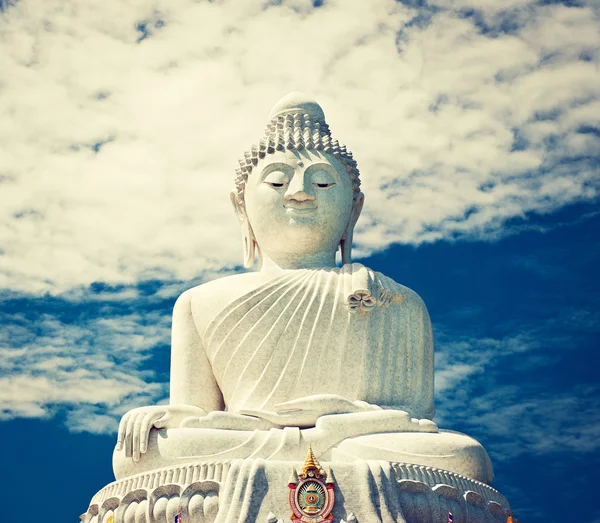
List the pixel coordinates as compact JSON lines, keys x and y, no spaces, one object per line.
{"x":205,"y":301}
{"x":226,"y":285}
{"x":403,"y":295}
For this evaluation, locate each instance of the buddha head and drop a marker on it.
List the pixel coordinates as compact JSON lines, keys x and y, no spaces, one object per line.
{"x":298,"y":190}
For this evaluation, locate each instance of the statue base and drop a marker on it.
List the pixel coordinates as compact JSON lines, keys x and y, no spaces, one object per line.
{"x":256,"y":490}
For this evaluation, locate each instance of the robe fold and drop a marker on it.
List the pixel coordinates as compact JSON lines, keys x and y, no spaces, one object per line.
{"x":348,"y":331}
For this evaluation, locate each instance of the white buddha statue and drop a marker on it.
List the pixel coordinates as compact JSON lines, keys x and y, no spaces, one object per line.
{"x":299,"y":352}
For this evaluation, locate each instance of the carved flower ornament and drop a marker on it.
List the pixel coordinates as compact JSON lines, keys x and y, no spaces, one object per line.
{"x":362,"y":301}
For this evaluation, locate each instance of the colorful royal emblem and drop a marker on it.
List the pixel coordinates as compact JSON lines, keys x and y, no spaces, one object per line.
{"x":311,"y":494}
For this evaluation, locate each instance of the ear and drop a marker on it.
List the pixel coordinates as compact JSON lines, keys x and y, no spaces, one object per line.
{"x":238,"y":207}
{"x":248,"y":241}
{"x":357,"y":207}
{"x":346,"y":241}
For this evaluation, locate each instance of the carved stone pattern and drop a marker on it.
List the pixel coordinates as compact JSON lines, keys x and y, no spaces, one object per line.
{"x":425,"y":494}
{"x":432,"y":476}
{"x":199,"y":502}
{"x":181,"y":475}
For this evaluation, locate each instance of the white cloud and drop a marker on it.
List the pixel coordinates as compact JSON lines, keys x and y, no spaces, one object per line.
{"x":458,"y":359}
{"x":523,"y":418}
{"x":432,"y":126}
{"x":92,"y":370}
{"x":540,"y":424}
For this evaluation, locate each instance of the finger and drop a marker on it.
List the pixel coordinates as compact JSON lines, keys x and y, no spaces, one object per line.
{"x":129,"y":435}
{"x":137,"y":436}
{"x":323,"y":403}
{"x":121,"y":433}
{"x":263,"y":414}
{"x":135,"y":450}
{"x":254,"y":413}
{"x":145,"y":427}
{"x":286,"y":409}
{"x":294,"y":405}
{"x":160,"y":422}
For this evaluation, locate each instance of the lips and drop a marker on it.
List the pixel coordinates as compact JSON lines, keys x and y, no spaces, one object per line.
{"x":300,"y":209}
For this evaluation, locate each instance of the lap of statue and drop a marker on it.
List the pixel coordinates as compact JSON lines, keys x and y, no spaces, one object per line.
{"x":367,"y":433}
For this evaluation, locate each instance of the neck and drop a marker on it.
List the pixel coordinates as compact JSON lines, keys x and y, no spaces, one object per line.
{"x":287,"y":261}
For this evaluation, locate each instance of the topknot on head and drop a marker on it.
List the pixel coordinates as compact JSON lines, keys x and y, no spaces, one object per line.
{"x":298,"y":103}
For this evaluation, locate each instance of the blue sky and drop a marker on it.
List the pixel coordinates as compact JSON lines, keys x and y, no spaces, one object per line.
{"x":476,"y":126}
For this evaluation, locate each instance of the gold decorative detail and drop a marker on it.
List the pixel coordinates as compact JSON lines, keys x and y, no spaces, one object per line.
{"x":311,"y":493}
{"x":311,"y":468}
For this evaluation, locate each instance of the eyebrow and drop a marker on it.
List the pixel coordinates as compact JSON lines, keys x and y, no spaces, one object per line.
{"x":274,"y":166}
{"x":323,"y":166}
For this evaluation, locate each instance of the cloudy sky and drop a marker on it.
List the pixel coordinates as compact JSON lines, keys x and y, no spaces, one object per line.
{"x":476,"y":126}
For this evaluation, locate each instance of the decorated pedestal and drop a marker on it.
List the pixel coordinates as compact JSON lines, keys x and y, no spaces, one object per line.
{"x":255,"y":490}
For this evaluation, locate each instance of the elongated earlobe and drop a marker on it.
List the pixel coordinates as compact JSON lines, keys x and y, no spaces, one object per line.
{"x":346,"y":240}
{"x":346,"y":248}
{"x":249,"y":245}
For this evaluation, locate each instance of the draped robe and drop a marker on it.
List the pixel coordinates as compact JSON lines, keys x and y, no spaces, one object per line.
{"x":346,"y":331}
{"x":325,"y":331}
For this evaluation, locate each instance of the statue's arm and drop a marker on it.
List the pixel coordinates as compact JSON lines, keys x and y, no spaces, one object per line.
{"x":428,"y":366}
{"x":192,"y":379}
{"x":413,"y":371}
{"x":420,"y":339}
{"x":194,"y":391}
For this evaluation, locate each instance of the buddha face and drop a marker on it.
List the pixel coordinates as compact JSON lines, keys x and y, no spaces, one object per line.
{"x":298,"y":202}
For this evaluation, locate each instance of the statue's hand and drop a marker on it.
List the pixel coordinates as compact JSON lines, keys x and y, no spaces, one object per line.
{"x":304,"y":412}
{"x":135,"y":426}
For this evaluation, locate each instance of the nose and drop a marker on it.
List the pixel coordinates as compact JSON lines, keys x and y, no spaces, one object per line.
{"x":300,"y":189}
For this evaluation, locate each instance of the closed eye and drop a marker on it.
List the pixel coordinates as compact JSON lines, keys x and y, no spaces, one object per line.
{"x":323,"y":185}
{"x":277,"y":176}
